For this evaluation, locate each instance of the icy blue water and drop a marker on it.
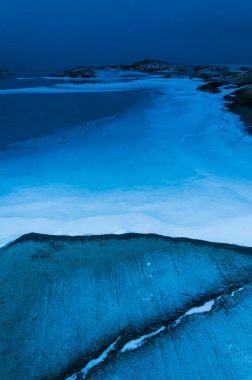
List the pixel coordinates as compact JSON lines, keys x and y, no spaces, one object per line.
{"x":174,"y":163}
{"x":32,"y":115}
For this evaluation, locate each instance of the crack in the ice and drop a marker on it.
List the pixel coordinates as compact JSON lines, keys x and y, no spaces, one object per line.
{"x":205,"y":308}
{"x":93,"y":363}
{"x":136,"y":343}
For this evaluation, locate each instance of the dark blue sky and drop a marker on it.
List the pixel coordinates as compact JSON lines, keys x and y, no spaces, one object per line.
{"x":51,"y":35}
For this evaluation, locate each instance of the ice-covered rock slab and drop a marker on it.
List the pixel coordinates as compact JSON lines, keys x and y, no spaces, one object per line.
{"x":65,"y":300}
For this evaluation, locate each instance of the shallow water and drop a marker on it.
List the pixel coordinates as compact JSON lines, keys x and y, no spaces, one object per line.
{"x":27,"y":116}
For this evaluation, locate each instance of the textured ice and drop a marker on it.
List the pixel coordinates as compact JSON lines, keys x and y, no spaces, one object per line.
{"x":178,"y":165}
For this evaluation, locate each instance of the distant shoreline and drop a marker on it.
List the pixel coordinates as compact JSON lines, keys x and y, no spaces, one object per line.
{"x":214,"y":76}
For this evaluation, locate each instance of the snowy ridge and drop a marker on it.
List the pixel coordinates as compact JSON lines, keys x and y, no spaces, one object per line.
{"x":137,"y":343}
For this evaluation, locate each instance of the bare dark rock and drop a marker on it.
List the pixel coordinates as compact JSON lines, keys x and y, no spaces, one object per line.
{"x":243,"y":79}
{"x":5,"y":73}
{"x":240,"y":102}
{"x":213,"y":87}
{"x":77,"y":72}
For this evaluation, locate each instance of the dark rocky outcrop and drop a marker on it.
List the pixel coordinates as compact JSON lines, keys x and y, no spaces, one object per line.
{"x":77,"y":72}
{"x":244,"y":79}
{"x":213,"y":87}
{"x":5,"y":73}
{"x":151,"y":66}
{"x":240,"y":102}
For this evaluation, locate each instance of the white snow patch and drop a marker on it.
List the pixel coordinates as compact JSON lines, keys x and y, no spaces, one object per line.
{"x":136,"y":343}
{"x":201,"y":309}
{"x":197,"y":310}
{"x":95,"y":362}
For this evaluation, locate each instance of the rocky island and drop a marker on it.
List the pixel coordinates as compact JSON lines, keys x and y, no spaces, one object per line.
{"x":150,"y":66}
{"x":5,"y":73}
{"x":215,"y":77}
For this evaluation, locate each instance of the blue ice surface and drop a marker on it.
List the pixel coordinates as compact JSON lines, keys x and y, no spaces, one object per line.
{"x":176,"y":163}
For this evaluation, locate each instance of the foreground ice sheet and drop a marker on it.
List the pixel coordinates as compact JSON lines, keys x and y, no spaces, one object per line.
{"x":178,"y":165}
